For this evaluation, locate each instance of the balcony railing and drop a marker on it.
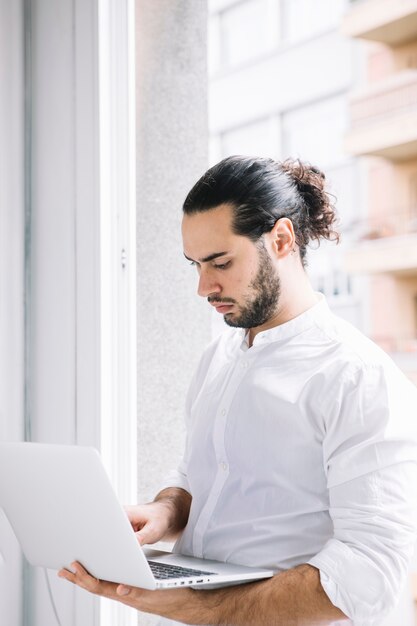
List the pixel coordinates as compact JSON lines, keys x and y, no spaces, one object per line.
{"x":392,"y":22}
{"x":388,"y":224}
{"x":397,"y":345}
{"x":402,"y":349}
{"x":384,"y":244}
{"x":384,"y":119}
{"x":388,"y":100}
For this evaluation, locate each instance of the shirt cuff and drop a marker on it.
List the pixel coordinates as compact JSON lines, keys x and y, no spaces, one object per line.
{"x":351,"y":585}
{"x":175,"y":478}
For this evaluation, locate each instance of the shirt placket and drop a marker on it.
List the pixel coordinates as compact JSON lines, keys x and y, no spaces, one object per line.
{"x":240,"y":366}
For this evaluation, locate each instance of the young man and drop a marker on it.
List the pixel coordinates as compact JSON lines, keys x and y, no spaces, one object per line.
{"x":301,"y":452}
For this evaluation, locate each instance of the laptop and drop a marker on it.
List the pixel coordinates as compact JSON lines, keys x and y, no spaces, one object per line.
{"x":62,"y":508}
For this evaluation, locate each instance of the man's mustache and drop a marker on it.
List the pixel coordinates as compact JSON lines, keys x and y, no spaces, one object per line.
{"x":214,"y":299}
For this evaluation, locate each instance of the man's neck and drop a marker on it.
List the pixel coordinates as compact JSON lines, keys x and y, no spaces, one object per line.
{"x":286,"y":311}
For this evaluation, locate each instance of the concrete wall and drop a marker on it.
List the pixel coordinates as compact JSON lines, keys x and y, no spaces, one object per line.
{"x":173,"y":325}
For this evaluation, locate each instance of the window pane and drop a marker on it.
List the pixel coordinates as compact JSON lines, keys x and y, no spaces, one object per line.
{"x":248,"y":30}
{"x":343,"y":182}
{"x":305,"y":18}
{"x":316,"y":132}
{"x":260,"y":138}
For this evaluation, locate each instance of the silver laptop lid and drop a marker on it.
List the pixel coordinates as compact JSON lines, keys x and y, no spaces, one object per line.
{"x":62,"y":508}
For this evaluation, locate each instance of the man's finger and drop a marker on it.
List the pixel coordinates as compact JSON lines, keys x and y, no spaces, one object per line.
{"x":79,"y":576}
{"x":123,"y":590}
{"x":150,"y":533}
{"x":144,"y":537}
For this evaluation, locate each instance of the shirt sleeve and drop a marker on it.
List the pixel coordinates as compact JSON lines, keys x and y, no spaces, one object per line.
{"x":370,"y":456}
{"x":176,"y":478}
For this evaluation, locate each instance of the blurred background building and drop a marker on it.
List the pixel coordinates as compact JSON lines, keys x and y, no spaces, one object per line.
{"x":383,"y":128}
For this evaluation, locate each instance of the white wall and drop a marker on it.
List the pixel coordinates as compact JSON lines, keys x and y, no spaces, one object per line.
{"x":11,"y":279}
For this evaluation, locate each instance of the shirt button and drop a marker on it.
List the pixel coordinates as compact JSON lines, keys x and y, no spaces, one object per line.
{"x":223,"y":412}
{"x":223,"y":465}
{"x":244,"y":364}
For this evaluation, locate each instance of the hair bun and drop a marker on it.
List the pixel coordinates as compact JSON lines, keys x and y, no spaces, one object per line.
{"x":318,"y":203}
{"x":304,"y":174}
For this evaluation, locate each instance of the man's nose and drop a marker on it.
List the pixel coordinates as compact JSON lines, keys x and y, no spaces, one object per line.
{"x":206,"y":285}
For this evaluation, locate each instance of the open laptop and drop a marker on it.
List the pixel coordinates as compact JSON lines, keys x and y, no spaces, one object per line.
{"x":62,"y":507}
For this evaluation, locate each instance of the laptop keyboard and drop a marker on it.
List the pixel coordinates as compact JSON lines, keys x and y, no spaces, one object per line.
{"x":162,"y":571}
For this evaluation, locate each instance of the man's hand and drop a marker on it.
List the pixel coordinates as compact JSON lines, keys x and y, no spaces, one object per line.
{"x":291,"y":598}
{"x":162,"y":519}
{"x":149,"y":521}
{"x":167,"y":602}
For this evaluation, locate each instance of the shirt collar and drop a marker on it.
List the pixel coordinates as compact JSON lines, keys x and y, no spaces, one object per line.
{"x":315,"y":315}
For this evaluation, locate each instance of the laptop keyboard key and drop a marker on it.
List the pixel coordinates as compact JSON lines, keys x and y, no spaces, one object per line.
{"x":162,"y":571}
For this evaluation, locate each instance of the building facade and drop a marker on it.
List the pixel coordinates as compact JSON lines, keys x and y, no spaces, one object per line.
{"x":383,"y":134}
{"x":383,"y":129}
{"x":280,"y":74}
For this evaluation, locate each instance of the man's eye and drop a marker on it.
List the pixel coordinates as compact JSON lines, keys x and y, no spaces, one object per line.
{"x":195,"y":264}
{"x":222,"y":266}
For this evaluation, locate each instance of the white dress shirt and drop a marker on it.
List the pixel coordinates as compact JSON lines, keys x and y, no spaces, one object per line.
{"x":303,"y":449}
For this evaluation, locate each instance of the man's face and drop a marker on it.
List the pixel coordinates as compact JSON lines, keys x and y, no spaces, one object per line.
{"x":236,"y":275}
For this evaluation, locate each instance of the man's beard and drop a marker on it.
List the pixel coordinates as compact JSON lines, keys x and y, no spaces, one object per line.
{"x":263,"y":300}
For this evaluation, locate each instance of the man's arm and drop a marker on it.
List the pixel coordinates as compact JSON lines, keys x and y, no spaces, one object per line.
{"x":291,"y":598}
{"x":162,"y":519}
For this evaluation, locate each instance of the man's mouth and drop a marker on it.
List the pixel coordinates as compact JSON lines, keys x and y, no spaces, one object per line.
{"x":221,"y":307}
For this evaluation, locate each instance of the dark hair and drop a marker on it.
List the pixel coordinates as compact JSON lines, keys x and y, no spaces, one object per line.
{"x":262,"y":191}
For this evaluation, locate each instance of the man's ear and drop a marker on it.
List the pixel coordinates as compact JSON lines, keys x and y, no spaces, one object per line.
{"x":282,"y":237}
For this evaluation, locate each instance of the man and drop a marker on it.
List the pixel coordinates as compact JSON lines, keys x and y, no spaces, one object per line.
{"x":301,"y":447}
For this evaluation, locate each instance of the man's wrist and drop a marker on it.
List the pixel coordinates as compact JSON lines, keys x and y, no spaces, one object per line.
{"x":177,"y":503}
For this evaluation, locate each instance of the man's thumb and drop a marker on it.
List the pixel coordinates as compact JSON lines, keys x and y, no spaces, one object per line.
{"x":141,"y":537}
